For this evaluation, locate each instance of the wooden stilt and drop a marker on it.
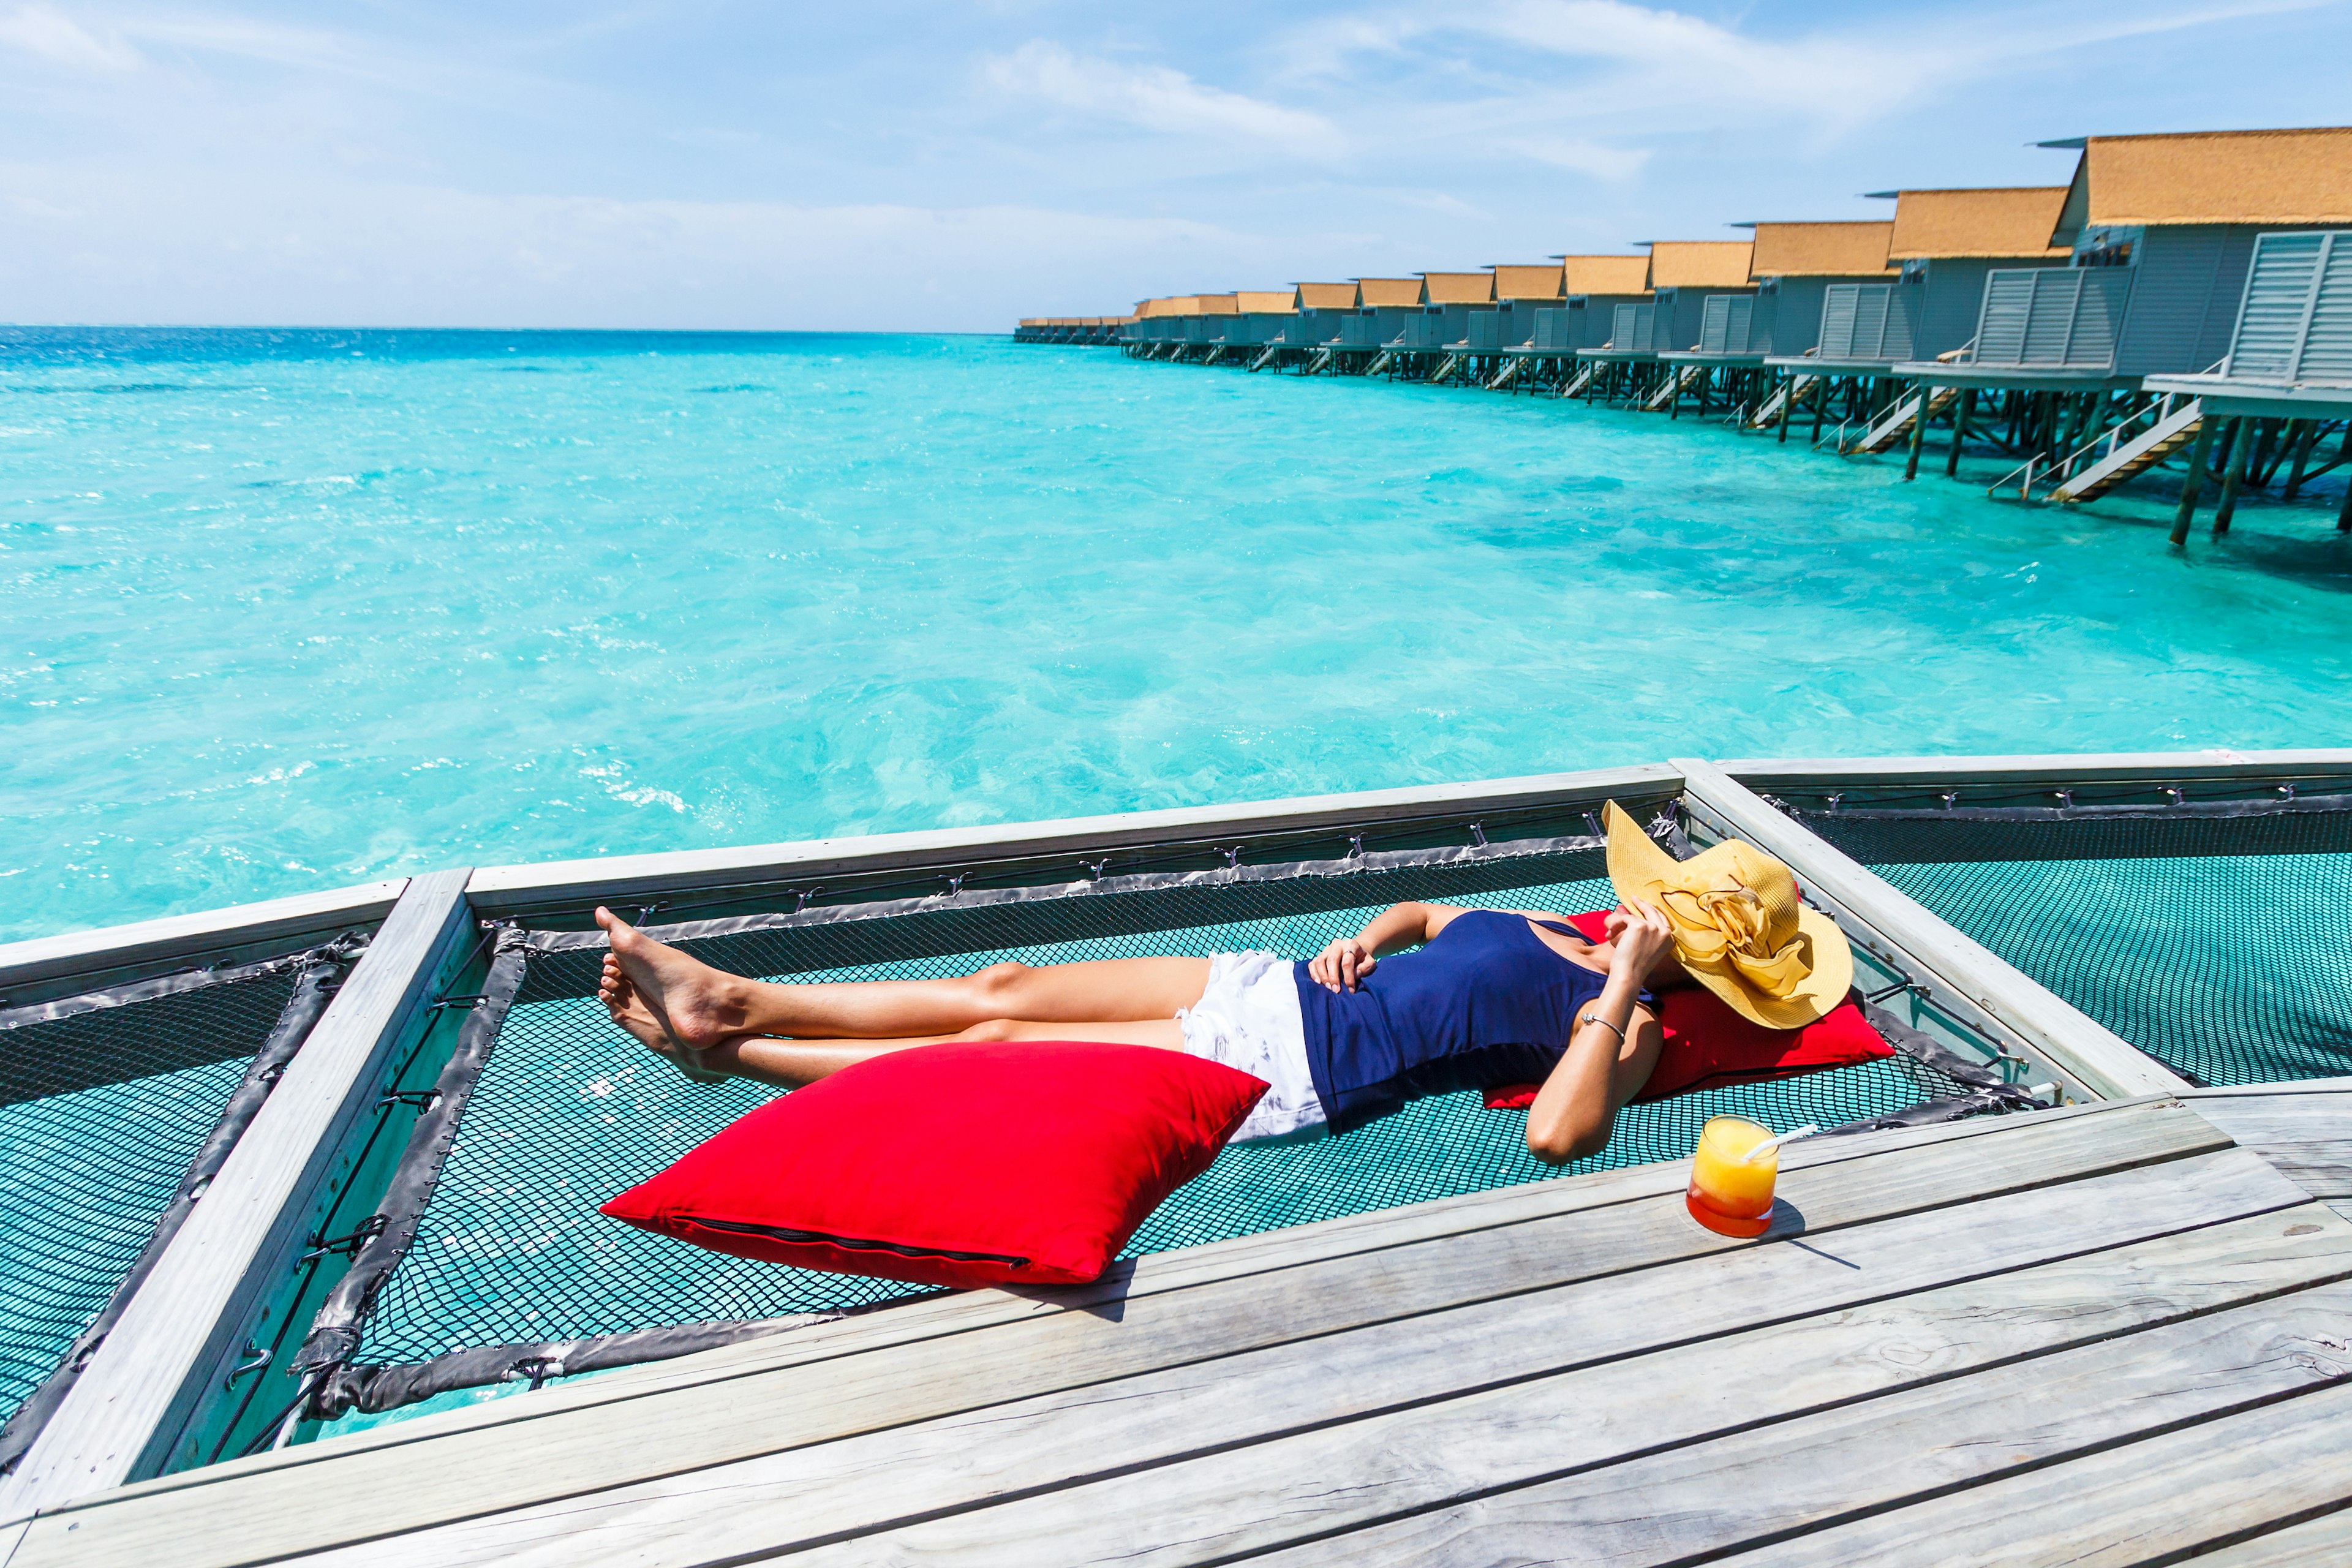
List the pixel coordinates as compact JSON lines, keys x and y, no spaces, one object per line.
{"x":2189,"y":485}
{"x":1821,"y":410}
{"x":1918,"y":434}
{"x":2242,"y":449}
{"x":1788,"y":406}
{"x":2304,"y":439}
{"x":1961,"y":412}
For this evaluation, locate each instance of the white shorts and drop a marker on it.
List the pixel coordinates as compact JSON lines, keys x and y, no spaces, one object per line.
{"x":1248,"y":1019}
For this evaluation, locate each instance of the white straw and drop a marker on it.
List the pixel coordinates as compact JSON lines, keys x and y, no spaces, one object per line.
{"x":1758,"y":1152}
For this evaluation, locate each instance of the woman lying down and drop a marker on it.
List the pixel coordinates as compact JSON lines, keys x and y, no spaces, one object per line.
{"x":1487,"y":997}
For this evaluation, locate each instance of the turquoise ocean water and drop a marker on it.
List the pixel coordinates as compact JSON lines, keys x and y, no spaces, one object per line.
{"x":289,"y":610}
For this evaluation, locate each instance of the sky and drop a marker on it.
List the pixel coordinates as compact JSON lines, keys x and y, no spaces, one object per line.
{"x":891,"y":166}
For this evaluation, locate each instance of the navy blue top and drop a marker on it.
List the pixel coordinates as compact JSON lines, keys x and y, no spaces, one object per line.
{"x":1482,"y":1003}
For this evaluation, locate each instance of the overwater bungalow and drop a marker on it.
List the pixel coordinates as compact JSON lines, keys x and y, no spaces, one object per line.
{"x":1388,"y":312}
{"x":1681,"y":275}
{"x":1159,"y":325}
{"x":1521,"y":293}
{"x":1319,"y":316}
{"x":2160,"y":232}
{"x":1792,"y":266}
{"x":1206,"y":328}
{"x":1592,"y":288}
{"x":1438,"y":345}
{"x":2032,"y":1291}
{"x":1502,"y":338}
{"x":2284,"y":387}
{"x":1943,"y":242}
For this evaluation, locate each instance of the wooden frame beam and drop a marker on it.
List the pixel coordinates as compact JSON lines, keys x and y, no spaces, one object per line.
{"x":2151,"y":768}
{"x":510,"y":889}
{"x":2101,"y":1060}
{"x":49,"y":966}
{"x":125,"y":1415}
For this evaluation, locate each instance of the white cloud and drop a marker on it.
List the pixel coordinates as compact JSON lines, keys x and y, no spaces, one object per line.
{"x":1654,"y":70}
{"x":47,"y":32}
{"x":1583,"y":157}
{"x":349,"y":253}
{"x":1154,"y":98}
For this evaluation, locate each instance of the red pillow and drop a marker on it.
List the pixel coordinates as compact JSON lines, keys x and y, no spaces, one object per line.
{"x":1708,"y":1045}
{"x":982,"y":1163}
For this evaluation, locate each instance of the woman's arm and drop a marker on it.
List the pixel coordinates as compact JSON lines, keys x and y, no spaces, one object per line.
{"x":1614,"y":1045}
{"x":1348,"y":959}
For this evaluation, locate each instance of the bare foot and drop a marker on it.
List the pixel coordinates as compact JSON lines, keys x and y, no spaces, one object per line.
{"x":629,"y":1011}
{"x":697,"y":1006}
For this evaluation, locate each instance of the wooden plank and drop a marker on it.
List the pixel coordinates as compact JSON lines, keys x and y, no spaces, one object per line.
{"x":126,"y":1409}
{"x":2322,"y":1542}
{"x":1631,"y":1486}
{"x":1130,"y":1283}
{"x":2308,"y":1137}
{"x":498,"y":890}
{"x":1585,"y":1360}
{"x":2156,"y":1500}
{"x":2287,"y":1087}
{"x":2085,"y":1048}
{"x":672,"y":1430}
{"x":1789,"y":1477}
{"x":51,"y":966}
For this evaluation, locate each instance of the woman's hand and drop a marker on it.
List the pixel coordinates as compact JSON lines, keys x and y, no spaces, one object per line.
{"x":1640,"y":935}
{"x":1339,"y":966}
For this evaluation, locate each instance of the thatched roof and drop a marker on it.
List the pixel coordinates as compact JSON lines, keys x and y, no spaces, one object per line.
{"x":1457,"y":288}
{"x":1821,"y":249}
{"x":1604,"y":274}
{"x":1388,"y":290}
{"x":1269,"y":301}
{"x":1323,"y":297}
{"x":2002,"y":222}
{"x":1539,"y":282}
{"x":2213,"y":177}
{"x":1700,"y":263}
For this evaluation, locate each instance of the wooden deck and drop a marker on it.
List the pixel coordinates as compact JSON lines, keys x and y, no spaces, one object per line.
{"x":2112,"y":1334}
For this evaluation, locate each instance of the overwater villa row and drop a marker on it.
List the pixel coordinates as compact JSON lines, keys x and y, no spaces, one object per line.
{"x":2184,"y":301}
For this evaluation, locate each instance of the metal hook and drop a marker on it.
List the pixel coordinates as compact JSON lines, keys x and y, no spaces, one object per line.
{"x":2066,"y":800}
{"x":1233,"y":857}
{"x":1478,"y":835}
{"x":538,"y":1369}
{"x":1950,"y":798}
{"x":2177,"y":798}
{"x":1096,"y":866}
{"x":955,"y":884}
{"x":255,"y":1358}
{"x":800,"y":898}
{"x":1355,"y":847}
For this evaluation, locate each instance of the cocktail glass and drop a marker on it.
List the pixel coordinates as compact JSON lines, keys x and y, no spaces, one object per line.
{"x":1729,"y":1194}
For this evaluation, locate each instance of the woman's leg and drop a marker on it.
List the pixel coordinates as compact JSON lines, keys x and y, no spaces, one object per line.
{"x":698,"y":1006}
{"x":795,"y":1062}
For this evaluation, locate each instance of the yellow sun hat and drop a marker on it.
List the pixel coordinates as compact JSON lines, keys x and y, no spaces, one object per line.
{"x":1739,"y":928}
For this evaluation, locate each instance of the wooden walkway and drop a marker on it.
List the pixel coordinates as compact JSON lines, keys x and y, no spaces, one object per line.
{"x":2112,"y":1334}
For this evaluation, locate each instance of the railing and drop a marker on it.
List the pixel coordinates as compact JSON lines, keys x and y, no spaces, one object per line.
{"x":2091,"y":453}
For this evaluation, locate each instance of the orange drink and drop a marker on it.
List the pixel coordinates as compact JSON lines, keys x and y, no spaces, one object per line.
{"x":1727,"y":1195}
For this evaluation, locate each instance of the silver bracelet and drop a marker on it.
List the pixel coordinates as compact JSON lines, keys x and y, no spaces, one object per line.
{"x":1590,"y":1017}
